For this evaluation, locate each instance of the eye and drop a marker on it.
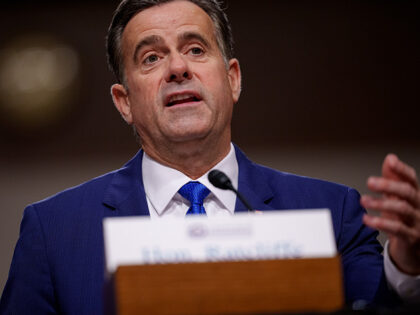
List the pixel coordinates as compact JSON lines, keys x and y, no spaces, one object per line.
{"x":151,"y":59}
{"x":196,"y":51}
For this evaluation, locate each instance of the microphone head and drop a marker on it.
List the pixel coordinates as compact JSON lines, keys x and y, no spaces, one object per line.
{"x":220,"y":180}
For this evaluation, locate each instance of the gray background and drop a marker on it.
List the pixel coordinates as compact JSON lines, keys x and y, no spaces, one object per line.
{"x":329,"y":87}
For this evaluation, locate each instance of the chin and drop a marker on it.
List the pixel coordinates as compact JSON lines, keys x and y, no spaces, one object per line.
{"x":188,"y":135}
{"x":189,"y":132}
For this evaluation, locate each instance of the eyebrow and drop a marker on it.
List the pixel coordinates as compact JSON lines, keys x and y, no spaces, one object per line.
{"x":147,"y":41}
{"x":155,"y":39}
{"x":193,"y":35}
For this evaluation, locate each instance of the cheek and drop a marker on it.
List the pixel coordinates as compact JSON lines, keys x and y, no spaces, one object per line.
{"x":144,"y":94}
{"x":145,"y":85}
{"x":217,"y":83}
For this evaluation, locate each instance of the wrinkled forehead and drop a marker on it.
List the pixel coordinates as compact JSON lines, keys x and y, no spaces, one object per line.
{"x":165,"y":20}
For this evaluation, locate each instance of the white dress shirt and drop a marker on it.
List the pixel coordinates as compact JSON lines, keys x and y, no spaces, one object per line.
{"x":161,"y":185}
{"x":407,"y":287}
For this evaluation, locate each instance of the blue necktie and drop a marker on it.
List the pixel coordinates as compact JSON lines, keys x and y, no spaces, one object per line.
{"x":195,"y":193}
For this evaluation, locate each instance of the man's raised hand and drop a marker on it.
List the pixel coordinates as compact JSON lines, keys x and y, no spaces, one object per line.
{"x":399,"y":207}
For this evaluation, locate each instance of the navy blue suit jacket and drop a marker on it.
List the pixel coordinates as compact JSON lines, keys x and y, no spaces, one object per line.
{"x":58,"y":263}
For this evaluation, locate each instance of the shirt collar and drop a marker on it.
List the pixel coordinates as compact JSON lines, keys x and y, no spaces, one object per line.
{"x":161,"y":183}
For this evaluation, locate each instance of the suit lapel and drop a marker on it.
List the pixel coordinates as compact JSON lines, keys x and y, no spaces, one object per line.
{"x":252,"y":184}
{"x":126,"y":197}
{"x":125,"y":194}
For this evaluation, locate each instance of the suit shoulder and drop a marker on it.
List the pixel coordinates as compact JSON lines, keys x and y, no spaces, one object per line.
{"x":92,"y":189}
{"x":285,"y":182}
{"x":293,"y":181}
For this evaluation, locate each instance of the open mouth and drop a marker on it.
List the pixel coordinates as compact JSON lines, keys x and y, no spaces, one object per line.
{"x":182,"y":99}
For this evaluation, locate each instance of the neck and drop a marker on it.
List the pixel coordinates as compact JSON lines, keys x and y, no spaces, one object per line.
{"x":193,"y":158}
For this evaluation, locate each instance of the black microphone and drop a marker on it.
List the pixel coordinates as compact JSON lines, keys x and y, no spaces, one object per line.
{"x":220,"y":180}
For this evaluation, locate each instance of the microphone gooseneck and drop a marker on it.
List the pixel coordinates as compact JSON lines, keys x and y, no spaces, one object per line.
{"x":220,"y":180}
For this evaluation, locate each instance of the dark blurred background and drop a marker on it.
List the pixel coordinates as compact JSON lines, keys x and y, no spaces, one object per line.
{"x":328,"y":88}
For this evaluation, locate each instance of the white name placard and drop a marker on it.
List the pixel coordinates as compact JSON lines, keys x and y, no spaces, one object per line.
{"x":266,"y":235}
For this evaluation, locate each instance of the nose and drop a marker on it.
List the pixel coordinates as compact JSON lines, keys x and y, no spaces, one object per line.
{"x":178,"y":69}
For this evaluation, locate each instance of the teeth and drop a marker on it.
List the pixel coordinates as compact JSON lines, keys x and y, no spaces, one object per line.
{"x":180,"y":97}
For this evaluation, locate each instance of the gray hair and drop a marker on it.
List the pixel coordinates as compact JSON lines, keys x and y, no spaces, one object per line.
{"x":128,"y":8}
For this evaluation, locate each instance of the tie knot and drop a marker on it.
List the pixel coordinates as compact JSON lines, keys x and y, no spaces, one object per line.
{"x":195,"y":193}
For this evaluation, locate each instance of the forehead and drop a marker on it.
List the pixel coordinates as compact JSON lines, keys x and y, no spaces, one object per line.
{"x":167,"y":19}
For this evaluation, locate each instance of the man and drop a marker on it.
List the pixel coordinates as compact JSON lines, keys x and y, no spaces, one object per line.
{"x":178,"y":82}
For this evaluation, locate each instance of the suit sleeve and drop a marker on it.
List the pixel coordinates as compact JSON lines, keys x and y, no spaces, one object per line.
{"x":29,"y":288}
{"x":363,"y":266}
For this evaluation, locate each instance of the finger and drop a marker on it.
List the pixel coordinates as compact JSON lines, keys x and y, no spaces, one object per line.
{"x":394,"y":168}
{"x":398,"y":207}
{"x":401,"y":190}
{"x":391,"y":227}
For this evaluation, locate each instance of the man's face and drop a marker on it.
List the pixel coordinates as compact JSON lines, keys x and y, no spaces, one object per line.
{"x":178,"y":87}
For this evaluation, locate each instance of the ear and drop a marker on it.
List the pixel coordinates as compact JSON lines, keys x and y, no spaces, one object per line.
{"x":121,"y":102}
{"x":235,"y":78}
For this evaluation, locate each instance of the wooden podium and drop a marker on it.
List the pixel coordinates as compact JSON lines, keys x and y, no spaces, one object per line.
{"x":250,"y":287}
